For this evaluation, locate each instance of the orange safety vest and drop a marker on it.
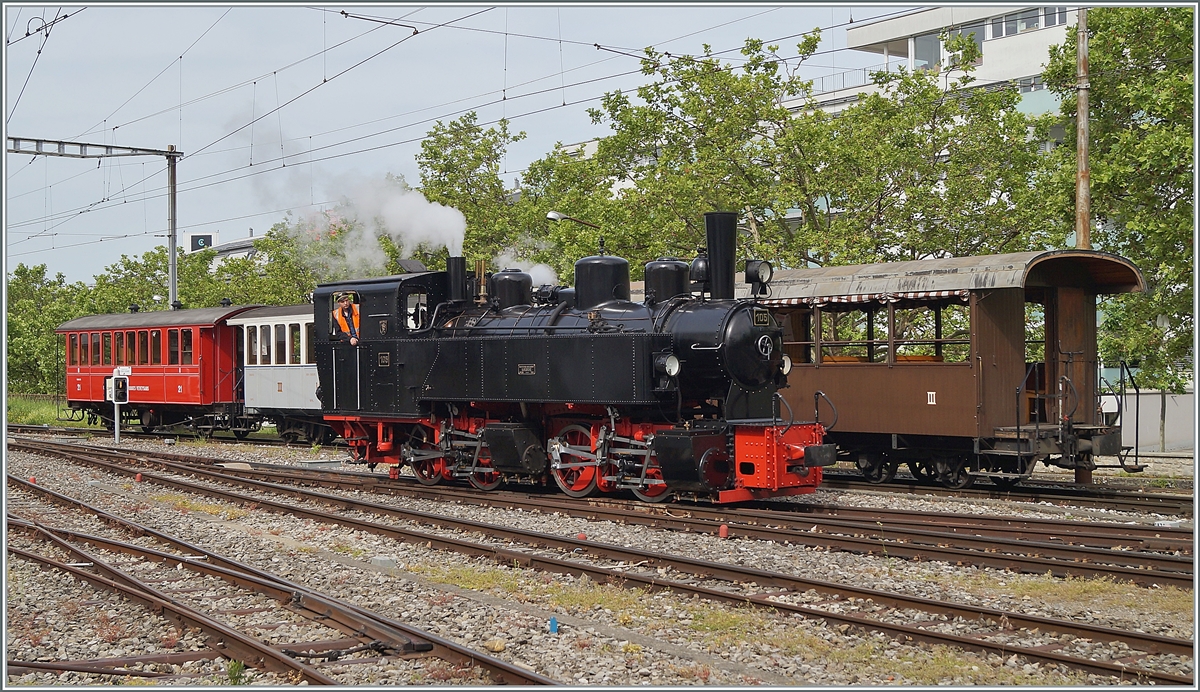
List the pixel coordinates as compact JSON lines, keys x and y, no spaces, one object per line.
{"x":341,"y":320}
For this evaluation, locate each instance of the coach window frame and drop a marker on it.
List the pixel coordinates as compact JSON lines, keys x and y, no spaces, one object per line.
{"x":95,"y":348}
{"x":185,"y":346}
{"x":156,"y":347}
{"x":131,"y":351}
{"x":172,"y":347}
{"x":119,"y":348}
{"x":73,"y":349}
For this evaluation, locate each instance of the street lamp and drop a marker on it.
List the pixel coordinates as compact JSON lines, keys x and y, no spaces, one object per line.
{"x":559,"y":216}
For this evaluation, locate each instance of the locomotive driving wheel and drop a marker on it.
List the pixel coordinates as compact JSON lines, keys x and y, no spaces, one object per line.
{"x":653,"y":491}
{"x":429,"y":470}
{"x":577,"y":481}
{"x":485,"y":480}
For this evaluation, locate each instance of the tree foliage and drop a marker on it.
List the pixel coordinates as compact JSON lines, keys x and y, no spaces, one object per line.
{"x":36,"y":304}
{"x":1142,"y":167}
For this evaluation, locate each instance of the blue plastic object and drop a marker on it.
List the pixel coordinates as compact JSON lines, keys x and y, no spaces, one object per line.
{"x":553,"y":625}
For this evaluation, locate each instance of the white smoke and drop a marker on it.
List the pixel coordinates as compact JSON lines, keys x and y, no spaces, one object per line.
{"x":543,"y":274}
{"x":389,"y":206}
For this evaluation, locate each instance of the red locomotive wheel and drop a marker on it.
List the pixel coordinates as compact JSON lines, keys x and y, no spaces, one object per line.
{"x":488,"y":480}
{"x":656,"y":492}
{"x":579,"y":481}
{"x":429,"y":471}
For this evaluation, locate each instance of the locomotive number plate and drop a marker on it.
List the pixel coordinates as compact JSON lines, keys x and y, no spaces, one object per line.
{"x":526,"y":369}
{"x":762,"y":318}
{"x":385,"y":359}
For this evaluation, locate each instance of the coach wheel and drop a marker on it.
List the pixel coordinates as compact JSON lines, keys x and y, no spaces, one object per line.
{"x":579,"y":481}
{"x":1007,"y":484}
{"x":877,"y":468}
{"x":923,"y":469}
{"x":953,"y":472}
{"x":656,"y":492}
{"x":149,"y":420}
{"x":485,"y":480}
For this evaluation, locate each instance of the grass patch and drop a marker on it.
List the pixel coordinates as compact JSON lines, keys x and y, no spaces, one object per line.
{"x":37,"y":410}
{"x":347,"y":549}
{"x":186,"y":505}
{"x":1090,"y":593}
{"x":476,"y":578}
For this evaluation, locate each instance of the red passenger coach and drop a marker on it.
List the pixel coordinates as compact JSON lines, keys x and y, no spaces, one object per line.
{"x":183,"y":367}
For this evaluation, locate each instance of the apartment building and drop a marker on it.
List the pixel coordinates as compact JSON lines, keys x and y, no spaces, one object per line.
{"x":1014,"y":42}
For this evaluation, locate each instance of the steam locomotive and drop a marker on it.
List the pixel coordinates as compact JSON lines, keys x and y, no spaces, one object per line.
{"x":480,"y":377}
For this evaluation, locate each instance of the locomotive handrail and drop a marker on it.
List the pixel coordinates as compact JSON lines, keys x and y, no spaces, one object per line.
{"x":558,"y":311}
{"x":1074,"y":396}
{"x":791,"y":415}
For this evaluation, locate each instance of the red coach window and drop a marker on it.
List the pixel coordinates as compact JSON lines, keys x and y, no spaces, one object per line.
{"x":106,"y":337}
{"x":143,"y":347}
{"x":186,"y":337}
{"x":83,"y":349}
{"x":73,"y":350}
{"x":119,"y":347}
{"x":130,"y":347}
{"x":156,"y":347}
{"x":172,"y":347}
{"x":95,"y":348}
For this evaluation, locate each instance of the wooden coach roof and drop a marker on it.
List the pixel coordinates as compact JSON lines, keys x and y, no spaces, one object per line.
{"x":1099,"y":272}
{"x":204,"y":317}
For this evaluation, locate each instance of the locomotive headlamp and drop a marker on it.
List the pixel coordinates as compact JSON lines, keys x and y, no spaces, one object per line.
{"x":667,"y":363}
{"x":758,"y":271}
{"x":786,"y":365}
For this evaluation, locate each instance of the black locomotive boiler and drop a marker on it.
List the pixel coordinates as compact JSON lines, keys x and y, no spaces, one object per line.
{"x":481,"y":378}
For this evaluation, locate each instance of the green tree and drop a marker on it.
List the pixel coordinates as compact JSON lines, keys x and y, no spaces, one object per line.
{"x":460,"y":167}
{"x":1142,"y":167}
{"x":37,"y":304}
{"x":930,"y":166}
{"x":137,"y":280}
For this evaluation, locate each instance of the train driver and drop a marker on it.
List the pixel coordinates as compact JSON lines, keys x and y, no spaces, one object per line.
{"x":345,"y":318}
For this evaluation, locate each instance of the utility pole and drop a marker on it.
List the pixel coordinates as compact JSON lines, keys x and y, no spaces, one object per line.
{"x":1083,"y":187}
{"x":1083,"y":191}
{"x":80,"y":150}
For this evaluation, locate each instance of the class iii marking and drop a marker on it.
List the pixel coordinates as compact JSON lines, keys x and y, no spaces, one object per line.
{"x":932,"y":398}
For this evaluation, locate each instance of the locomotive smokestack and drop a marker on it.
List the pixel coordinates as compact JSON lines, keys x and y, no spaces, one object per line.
{"x":721,"y":229}
{"x":456,"y":277}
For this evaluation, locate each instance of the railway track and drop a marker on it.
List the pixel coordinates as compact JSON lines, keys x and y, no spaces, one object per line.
{"x":1035,"y":491}
{"x":642,"y":569}
{"x":1141,"y":554}
{"x":70,"y":431}
{"x":117,"y":565}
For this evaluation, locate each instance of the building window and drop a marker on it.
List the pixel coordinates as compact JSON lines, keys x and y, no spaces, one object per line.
{"x":927,"y":52}
{"x":1031,"y":84}
{"x":975,"y":33}
{"x":1054,"y":16}
{"x":1027,"y":20}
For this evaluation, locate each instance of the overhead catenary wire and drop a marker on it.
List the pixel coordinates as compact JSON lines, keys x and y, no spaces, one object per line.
{"x":93,"y":206}
{"x":46,"y":37}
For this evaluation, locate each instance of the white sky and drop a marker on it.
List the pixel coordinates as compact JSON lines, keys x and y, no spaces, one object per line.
{"x":113,"y":75}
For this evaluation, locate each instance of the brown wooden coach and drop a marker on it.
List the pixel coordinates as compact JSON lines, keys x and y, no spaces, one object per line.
{"x":959,"y":367}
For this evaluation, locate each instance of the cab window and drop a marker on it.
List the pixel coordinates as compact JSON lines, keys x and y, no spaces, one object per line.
{"x":335,"y":329}
{"x":416,"y":310}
